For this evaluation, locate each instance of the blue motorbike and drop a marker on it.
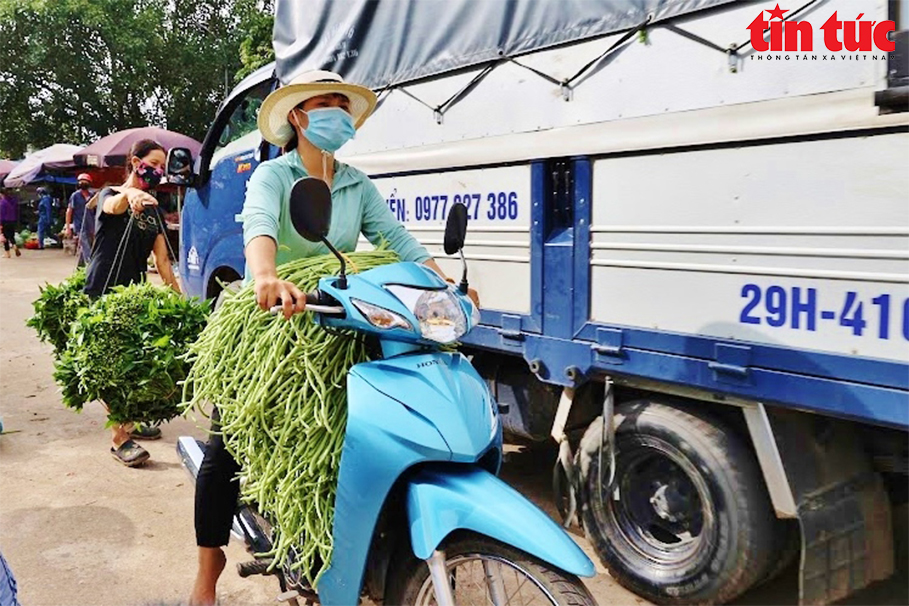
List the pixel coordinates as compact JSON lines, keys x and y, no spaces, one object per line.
{"x":420,"y":516}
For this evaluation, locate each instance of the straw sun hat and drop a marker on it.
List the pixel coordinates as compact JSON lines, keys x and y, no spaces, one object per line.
{"x":273,"y":122}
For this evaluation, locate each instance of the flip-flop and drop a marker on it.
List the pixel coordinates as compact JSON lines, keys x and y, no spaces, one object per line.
{"x":130,"y":454}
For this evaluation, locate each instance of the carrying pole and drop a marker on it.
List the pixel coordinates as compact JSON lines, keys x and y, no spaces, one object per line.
{"x":180,"y":193}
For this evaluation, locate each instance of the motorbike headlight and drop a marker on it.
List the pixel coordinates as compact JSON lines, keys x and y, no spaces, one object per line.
{"x":381,"y":317}
{"x":439,"y":312}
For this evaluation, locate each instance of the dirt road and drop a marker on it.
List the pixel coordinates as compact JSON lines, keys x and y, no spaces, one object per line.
{"x":77,"y":528}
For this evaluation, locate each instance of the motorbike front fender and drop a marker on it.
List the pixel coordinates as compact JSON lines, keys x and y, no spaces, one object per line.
{"x":442,"y":499}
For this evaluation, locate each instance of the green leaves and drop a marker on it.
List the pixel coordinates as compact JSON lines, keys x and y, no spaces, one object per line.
{"x":76,"y":70}
{"x":57,"y":308}
{"x":165,"y":340}
{"x":126,"y":350}
{"x":255,"y":48}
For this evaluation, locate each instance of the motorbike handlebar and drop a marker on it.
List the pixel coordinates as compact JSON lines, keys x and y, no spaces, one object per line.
{"x":314,"y":303}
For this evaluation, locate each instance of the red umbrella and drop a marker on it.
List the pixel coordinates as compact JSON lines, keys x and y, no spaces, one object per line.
{"x":112,"y":149}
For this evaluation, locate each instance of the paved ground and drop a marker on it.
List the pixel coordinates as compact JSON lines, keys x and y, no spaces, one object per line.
{"x":79,"y":529}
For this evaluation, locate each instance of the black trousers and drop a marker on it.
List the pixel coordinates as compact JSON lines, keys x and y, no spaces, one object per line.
{"x":9,"y":235}
{"x":217,"y":491}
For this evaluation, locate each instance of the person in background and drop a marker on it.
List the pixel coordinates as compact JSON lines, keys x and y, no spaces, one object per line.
{"x":9,"y":218}
{"x":75,"y":213}
{"x":45,"y":214}
{"x":89,"y":226}
{"x":129,"y":229}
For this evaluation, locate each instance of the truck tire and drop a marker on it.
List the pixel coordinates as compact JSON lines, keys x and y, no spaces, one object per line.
{"x":787,"y":544}
{"x":232,"y":287}
{"x":688,"y":520}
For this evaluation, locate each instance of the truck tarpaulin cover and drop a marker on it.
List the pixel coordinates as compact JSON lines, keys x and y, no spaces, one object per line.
{"x":381,"y":43}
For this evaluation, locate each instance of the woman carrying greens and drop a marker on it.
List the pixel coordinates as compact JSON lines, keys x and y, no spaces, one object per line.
{"x":129,"y":229}
{"x":310,"y":118}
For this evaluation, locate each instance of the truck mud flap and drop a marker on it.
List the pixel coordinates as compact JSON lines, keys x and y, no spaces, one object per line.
{"x":843,"y":509}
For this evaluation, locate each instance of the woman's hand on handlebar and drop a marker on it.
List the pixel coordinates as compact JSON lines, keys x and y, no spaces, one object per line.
{"x":273,"y":291}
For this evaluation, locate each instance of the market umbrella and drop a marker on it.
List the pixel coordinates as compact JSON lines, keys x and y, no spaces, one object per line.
{"x":6,"y":166}
{"x":56,"y":157}
{"x":112,"y":149}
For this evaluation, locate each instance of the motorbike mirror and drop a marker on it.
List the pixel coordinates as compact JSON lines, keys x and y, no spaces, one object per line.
{"x":455,"y":229}
{"x":179,"y":166}
{"x":310,"y":208}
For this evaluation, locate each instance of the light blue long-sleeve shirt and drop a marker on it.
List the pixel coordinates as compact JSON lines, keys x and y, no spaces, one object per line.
{"x":357,"y":206}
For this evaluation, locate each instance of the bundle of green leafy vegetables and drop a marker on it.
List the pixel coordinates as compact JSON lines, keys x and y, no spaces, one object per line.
{"x":127,"y":350}
{"x":57,"y":308}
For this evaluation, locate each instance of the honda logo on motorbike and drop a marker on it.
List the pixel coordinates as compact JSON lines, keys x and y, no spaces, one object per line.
{"x":798,"y":36}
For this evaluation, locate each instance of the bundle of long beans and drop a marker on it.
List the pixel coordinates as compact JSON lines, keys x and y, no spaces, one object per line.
{"x":280,"y":387}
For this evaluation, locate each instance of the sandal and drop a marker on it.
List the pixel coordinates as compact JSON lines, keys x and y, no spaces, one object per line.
{"x":130,"y":454}
{"x":145,"y":432}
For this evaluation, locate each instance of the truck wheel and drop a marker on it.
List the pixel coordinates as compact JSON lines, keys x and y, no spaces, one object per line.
{"x":688,"y":520}
{"x":469,"y":559}
{"x":231,"y":287}
{"x":787,"y":544}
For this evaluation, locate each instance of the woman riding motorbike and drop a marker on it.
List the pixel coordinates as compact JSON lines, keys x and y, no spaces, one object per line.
{"x":310,"y":118}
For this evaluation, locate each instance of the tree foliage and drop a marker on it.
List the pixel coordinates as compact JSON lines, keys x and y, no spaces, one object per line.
{"x":76,"y":70}
{"x":255,"y":47}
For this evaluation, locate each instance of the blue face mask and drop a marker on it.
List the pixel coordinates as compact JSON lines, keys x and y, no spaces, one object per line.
{"x":329,"y":128}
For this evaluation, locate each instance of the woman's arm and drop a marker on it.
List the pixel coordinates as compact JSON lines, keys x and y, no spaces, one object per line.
{"x":162,"y":262}
{"x":130,"y":197}
{"x":115,"y":204}
{"x":261,"y":215}
{"x":431,"y":264}
{"x":379,"y":224}
{"x":260,"y":256}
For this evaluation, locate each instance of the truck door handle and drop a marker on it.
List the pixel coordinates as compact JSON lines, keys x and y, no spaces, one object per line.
{"x":728,"y":369}
{"x":515,"y":335}
{"x":608,"y":350}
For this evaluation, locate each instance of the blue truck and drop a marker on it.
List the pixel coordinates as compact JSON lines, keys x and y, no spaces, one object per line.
{"x":693,"y":259}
